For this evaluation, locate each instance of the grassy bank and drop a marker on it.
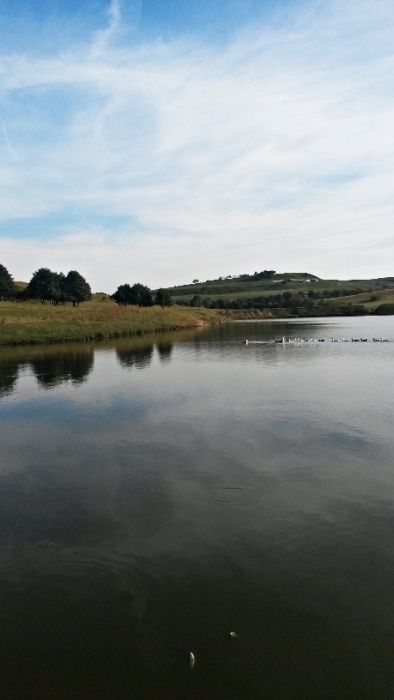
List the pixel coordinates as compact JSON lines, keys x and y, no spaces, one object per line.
{"x":31,"y":323}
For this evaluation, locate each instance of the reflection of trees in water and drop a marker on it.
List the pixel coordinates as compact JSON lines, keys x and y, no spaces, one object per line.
{"x":8,"y":375}
{"x":138,"y":357}
{"x":52,"y":370}
{"x":164,"y":348}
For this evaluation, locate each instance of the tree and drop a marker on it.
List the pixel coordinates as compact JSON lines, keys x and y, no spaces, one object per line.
{"x":141,"y":295}
{"x":45,"y":285}
{"x":163,"y":297}
{"x":76,"y":289}
{"x":123,"y":295}
{"x":58,"y":290}
{"x":137,"y":295}
{"x":55,"y":287}
{"x":267,"y":274}
{"x":6,"y":283}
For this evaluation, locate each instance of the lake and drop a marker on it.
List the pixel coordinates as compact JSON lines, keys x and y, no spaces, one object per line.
{"x":159,"y":493}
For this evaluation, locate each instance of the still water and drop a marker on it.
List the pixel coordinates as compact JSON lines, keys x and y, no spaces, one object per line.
{"x":158,"y":494}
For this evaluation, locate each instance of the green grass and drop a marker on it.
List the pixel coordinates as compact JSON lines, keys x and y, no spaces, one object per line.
{"x":386,"y":296}
{"x":371,"y":300}
{"x":232,"y":295}
{"x":32,"y":323}
{"x":235,"y":289}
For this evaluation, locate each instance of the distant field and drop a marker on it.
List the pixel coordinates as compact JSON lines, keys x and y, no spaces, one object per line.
{"x":237,"y":289}
{"x":371,"y":300}
{"x":290,"y":294}
{"x":31,"y":322}
{"x":229,"y":295}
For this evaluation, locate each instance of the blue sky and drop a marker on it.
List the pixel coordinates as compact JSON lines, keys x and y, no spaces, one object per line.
{"x":162,"y":141}
{"x":36,"y":23}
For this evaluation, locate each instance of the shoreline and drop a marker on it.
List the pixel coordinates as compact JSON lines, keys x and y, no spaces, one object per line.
{"x":30,"y":324}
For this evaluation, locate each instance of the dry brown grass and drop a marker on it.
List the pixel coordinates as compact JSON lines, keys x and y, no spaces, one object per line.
{"x":31,"y":322}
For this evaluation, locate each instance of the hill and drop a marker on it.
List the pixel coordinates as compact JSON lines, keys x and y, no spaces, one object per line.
{"x":288,"y":294}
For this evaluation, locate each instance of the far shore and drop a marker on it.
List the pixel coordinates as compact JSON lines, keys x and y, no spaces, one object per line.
{"x":31,"y":323}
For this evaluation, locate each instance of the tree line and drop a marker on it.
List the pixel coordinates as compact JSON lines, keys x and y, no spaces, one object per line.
{"x":140,"y":295}
{"x":47,"y":286}
{"x":57,"y":288}
{"x":262,"y":275}
{"x":287,"y":300}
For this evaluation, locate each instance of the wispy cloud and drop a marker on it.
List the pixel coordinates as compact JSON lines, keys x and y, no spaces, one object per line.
{"x":7,"y":141}
{"x":274,"y":149}
{"x":102,"y":39}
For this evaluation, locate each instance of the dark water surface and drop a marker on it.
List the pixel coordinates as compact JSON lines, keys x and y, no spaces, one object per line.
{"x":157,"y":494}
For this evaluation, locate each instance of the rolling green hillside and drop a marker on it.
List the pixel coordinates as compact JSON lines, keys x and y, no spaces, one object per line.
{"x":291,"y":293}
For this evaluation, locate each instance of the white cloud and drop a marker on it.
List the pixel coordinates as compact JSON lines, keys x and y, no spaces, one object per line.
{"x":103,"y":37}
{"x":275,"y":150}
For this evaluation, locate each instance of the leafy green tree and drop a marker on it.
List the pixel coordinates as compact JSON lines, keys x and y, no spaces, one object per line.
{"x":137,"y":295}
{"x":55,"y":287}
{"x":75,"y":288}
{"x":6,"y":283}
{"x":58,"y":290}
{"x":123,"y":295}
{"x":163,"y":297}
{"x":44,"y":285}
{"x":141,"y":295}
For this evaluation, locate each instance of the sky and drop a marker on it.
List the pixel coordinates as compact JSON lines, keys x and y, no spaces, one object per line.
{"x":162,"y":141}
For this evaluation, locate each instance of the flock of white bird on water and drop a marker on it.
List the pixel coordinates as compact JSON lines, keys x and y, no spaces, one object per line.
{"x":300,"y":341}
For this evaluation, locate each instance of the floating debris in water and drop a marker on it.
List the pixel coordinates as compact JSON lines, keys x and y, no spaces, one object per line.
{"x":192,"y":660}
{"x":234,"y":635}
